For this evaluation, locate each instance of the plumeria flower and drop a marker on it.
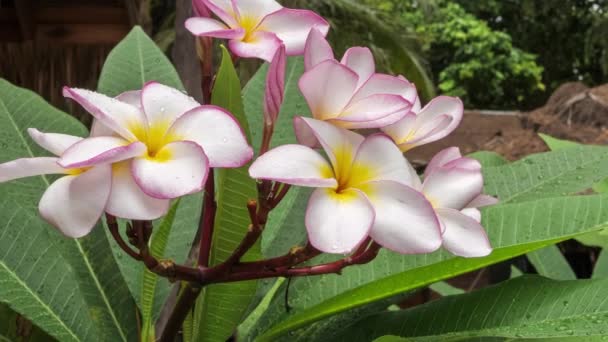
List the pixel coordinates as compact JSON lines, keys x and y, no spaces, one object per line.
{"x":453,"y":185}
{"x":275,"y":87}
{"x":73,"y":203}
{"x":435,"y":121}
{"x":257,"y":28}
{"x":364,"y":190}
{"x":350,"y":93}
{"x":168,"y":139}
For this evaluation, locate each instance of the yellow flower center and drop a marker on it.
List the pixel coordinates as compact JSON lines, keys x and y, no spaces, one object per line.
{"x":348,"y":174}
{"x":249,"y":24}
{"x":155,"y":137}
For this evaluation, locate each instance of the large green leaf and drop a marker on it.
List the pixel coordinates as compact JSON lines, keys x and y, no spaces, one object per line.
{"x":551,"y":263}
{"x":72,"y":289}
{"x":514,"y":229}
{"x":220,"y":307}
{"x":552,"y":174}
{"x":525,"y":307}
{"x":133,"y":62}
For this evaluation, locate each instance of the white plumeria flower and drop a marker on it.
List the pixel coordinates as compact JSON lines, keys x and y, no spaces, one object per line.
{"x":256,"y":28}
{"x":169,"y":140}
{"x":350,"y":93}
{"x":453,"y":184}
{"x":73,"y":203}
{"x":363,"y":191}
{"x":435,"y":121}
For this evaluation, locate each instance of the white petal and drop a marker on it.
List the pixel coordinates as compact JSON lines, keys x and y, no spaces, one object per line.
{"x":132,"y":97}
{"x":340,"y":145}
{"x":100,"y":150}
{"x":224,"y":9}
{"x":292,"y":26}
{"x":128,"y":201}
{"x":163,"y":105}
{"x":386,"y":84}
{"x":405,"y":221}
{"x":207,"y":27}
{"x":293,"y":164}
{"x":317,"y":49}
{"x":259,"y":44}
{"x":442,"y":158}
{"x":74,"y":204}
{"x":328,"y":88}
{"x":217,"y":132}
{"x":179,"y":168}
{"x":98,"y":129}
{"x":403,"y":129}
{"x":374,"y":111}
{"x":453,"y":187}
{"x":361,"y":61}
{"x":338,"y":223}
{"x":482,"y":201}
{"x":440,"y":106}
{"x":27,"y":167}
{"x":473,"y":213}
{"x":119,"y":116}
{"x":379,"y":159}
{"x":463,"y":235}
{"x":53,"y":142}
{"x":255,"y":10}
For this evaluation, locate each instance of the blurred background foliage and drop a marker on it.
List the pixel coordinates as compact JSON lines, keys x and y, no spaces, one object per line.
{"x":494,"y":54}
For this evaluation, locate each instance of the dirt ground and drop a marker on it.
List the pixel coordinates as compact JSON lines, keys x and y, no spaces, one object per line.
{"x":574,"y":112}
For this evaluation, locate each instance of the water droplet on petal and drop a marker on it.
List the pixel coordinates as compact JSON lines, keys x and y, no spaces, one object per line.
{"x":225,"y":140}
{"x":162,"y":109}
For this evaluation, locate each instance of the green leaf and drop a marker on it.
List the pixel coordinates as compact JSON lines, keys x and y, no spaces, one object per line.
{"x":514,"y":229}
{"x":551,"y":263}
{"x":220,"y":307}
{"x":550,"y":174}
{"x":446,"y":289}
{"x":158,"y":245}
{"x":488,"y":158}
{"x":72,"y":289}
{"x":133,"y":62}
{"x":600,"y":270}
{"x":555,"y":144}
{"x":524,"y":307}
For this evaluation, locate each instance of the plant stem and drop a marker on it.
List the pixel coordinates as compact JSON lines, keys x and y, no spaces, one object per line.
{"x":183,"y":306}
{"x":207,"y":221}
{"x":114,"y":230}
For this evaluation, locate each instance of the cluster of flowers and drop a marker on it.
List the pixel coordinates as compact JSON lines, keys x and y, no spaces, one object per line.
{"x":152,"y":145}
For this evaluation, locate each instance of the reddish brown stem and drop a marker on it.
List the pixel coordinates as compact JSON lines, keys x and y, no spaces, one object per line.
{"x":114,"y":230}
{"x":184,"y":304}
{"x":207,"y":221}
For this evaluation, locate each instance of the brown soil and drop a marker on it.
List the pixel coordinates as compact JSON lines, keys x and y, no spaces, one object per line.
{"x":574,"y":112}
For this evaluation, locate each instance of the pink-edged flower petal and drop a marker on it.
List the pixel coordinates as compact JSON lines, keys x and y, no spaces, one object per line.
{"x":340,"y":145}
{"x":275,"y":86}
{"x":259,"y":44}
{"x":442,"y":158}
{"x":224,"y":9}
{"x":132,"y":97}
{"x":338,"y":222}
{"x":430,"y":131}
{"x":328,"y":88}
{"x":397,"y":131}
{"x":28,"y":167}
{"x":207,"y":27}
{"x":74,"y":204}
{"x":379,"y":159}
{"x":361,"y":61}
{"x":53,"y":142}
{"x":98,"y":129}
{"x":200,"y":9}
{"x":386,"y":84}
{"x":255,"y":10}
{"x":163,"y":105}
{"x":473,"y":213}
{"x":217,"y":132}
{"x":482,"y":201}
{"x":453,"y":187}
{"x":441,"y":105}
{"x":100,"y":150}
{"x":463,"y":236}
{"x":179,"y":168}
{"x":316,"y":50}
{"x":373,"y":112}
{"x":119,"y":116}
{"x":128,"y":201}
{"x":405,"y":221}
{"x":292,"y":26}
{"x":294,"y":164}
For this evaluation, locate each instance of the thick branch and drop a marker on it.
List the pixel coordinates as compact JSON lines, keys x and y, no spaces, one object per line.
{"x":207,"y":220}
